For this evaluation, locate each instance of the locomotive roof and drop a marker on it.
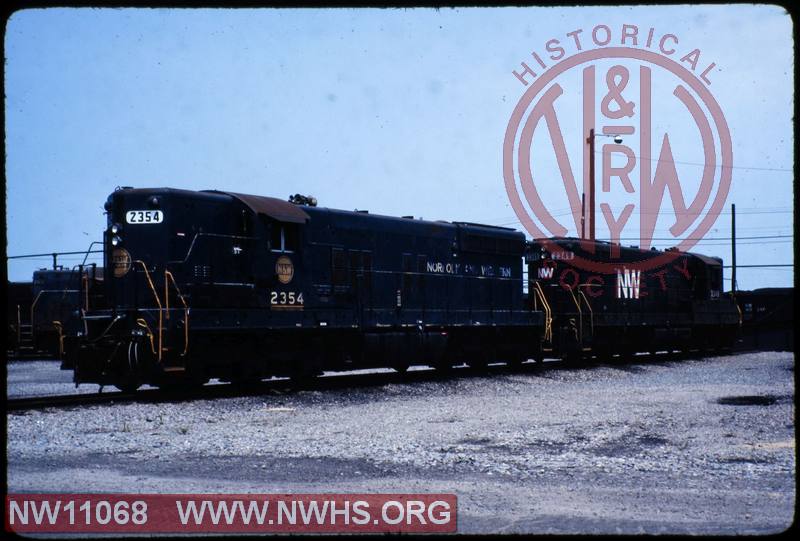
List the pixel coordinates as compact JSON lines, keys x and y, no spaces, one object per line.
{"x":708,"y":260}
{"x":376,"y":219}
{"x":284,"y":211}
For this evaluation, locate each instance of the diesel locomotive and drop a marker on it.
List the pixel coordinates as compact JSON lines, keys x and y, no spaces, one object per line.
{"x":604,"y":299}
{"x":43,"y":311}
{"x":210,"y":284}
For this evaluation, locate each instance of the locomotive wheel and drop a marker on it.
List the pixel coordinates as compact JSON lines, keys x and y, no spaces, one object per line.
{"x":572,"y":359}
{"x":192,"y":382}
{"x":402,"y":368}
{"x":479,"y":364}
{"x":128,"y":377}
{"x":303,"y":379}
{"x":445,"y":366}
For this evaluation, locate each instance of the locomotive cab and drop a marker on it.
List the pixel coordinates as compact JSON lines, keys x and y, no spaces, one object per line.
{"x":172,"y":251}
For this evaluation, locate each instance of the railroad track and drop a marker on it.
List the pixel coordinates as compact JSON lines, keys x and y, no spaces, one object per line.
{"x":322,"y":383}
{"x":230,"y":390}
{"x":67,"y":400}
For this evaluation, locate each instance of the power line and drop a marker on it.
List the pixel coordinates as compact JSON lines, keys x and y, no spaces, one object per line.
{"x":759,"y":237}
{"x":637,"y":213}
{"x":716,"y":166}
{"x":769,"y":266}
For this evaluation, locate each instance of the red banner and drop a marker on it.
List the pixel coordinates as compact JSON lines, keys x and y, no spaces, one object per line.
{"x":231,"y":513}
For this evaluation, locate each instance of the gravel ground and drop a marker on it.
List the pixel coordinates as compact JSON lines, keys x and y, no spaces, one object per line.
{"x":644,"y":447}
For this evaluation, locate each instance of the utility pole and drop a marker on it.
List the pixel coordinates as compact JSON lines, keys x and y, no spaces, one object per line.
{"x":733,"y":248}
{"x":590,"y":140}
{"x":583,"y":215}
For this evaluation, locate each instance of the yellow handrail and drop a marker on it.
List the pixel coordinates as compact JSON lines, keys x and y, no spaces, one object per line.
{"x":142,"y":323}
{"x":38,"y":295}
{"x":85,"y":283}
{"x":33,"y":306}
{"x":57,"y":325}
{"x":168,"y":276}
{"x":591,"y":312}
{"x":548,"y":313}
{"x":580,"y":316}
{"x":158,"y":301}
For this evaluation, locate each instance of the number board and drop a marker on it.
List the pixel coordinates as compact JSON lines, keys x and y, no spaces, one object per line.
{"x":136,"y":217}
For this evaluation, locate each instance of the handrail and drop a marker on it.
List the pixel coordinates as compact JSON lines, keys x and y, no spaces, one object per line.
{"x":160,"y":308}
{"x":580,"y":316}
{"x":591,"y":312}
{"x":113,"y":321}
{"x":85,"y":325}
{"x":168,"y":276}
{"x":57,"y":325}
{"x":142,"y":323}
{"x":213,"y":235}
{"x":38,"y":295}
{"x":85,"y":285}
{"x":548,"y":313}
{"x":19,"y":325}
{"x":89,"y":250}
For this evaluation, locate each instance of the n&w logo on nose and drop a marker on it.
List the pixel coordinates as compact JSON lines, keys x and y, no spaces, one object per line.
{"x":628,"y":283}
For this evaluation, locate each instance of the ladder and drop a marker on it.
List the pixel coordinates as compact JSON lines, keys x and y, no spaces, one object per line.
{"x":25,"y":338}
{"x":25,"y":343}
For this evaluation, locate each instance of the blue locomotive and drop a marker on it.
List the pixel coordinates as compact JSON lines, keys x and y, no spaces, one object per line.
{"x":210,"y":284}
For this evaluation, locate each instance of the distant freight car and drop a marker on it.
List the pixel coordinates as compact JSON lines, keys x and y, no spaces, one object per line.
{"x":59,"y":296}
{"x":767,"y":319}
{"x":42,"y":312}
{"x":241,"y":287}
{"x":19,"y":298}
{"x":619,"y":308}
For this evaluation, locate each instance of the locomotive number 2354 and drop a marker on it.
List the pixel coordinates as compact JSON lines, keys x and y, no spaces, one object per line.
{"x":286,"y":298}
{"x":144,"y":217}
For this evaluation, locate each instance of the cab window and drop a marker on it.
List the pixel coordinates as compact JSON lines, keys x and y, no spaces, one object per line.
{"x":284,"y":237}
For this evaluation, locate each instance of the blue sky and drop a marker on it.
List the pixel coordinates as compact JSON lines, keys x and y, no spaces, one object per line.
{"x":395,"y":111}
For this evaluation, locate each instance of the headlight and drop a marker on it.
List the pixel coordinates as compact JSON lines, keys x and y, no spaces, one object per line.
{"x":116,"y":229}
{"x":116,"y":241}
